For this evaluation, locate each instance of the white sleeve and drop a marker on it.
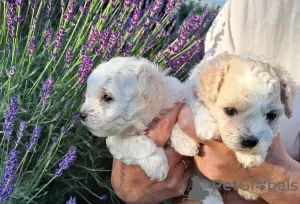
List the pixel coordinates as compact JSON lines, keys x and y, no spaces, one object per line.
{"x":267,"y":28}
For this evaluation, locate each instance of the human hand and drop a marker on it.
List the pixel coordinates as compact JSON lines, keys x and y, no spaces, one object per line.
{"x":130,"y":181}
{"x":217,"y":162}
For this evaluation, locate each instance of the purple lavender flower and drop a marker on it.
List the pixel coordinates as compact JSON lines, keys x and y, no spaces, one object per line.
{"x":68,"y":58}
{"x":34,"y":138}
{"x":11,"y":18}
{"x":70,"y":10}
{"x":170,"y":5}
{"x":58,"y":40}
{"x":93,"y":38}
{"x":32,"y":46}
{"x":127,"y":3}
{"x":48,"y":37}
{"x":74,"y":120}
{"x":105,"y":38}
{"x":19,"y":3}
{"x":67,"y":161}
{"x":84,"y":9}
{"x":67,"y":103}
{"x":57,"y":116}
{"x":32,"y":4}
{"x":111,"y":44}
{"x":12,"y":71}
{"x":103,"y":197}
{"x":47,"y":91}
{"x":64,"y":130}
{"x":20,"y":133}
{"x":53,"y":139}
{"x":134,"y":20}
{"x":155,"y":8}
{"x":194,"y":22}
{"x":10,"y":117}
{"x":50,"y":6}
{"x":85,"y":69}
{"x":9,"y":175}
{"x":128,"y":47}
{"x":71,"y":201}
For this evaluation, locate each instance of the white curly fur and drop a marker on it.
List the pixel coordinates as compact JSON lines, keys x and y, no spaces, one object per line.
{"x":254,"y":88}
{"x":140,"y":93}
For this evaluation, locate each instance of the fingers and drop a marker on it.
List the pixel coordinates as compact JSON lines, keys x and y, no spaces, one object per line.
{"x":186,"y":122}
{"x":179,"y":177}
{"x":160,"y":129}
{"x":173,"y":157}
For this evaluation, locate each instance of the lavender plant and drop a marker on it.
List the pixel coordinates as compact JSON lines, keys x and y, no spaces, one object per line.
{"x":47,"y":50}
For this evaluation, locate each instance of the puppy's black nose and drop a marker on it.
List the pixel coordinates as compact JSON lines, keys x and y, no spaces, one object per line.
{"x":83,"y":116}
{"x":249,"y":142}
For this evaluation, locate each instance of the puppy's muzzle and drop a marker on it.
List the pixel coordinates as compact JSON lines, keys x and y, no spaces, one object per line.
{"x":249,"y":142}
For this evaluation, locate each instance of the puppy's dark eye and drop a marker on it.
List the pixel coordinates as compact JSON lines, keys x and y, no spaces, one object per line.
{"x":271,"y":116}
{"x":107,"y":98}
{"x":230,"y":111}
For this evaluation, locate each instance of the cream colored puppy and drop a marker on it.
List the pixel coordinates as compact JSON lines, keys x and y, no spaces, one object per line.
{"x":123,"y":97}
{"x":240,"y":101}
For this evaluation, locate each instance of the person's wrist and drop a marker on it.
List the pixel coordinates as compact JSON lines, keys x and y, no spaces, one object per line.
{"x":277,"y":174}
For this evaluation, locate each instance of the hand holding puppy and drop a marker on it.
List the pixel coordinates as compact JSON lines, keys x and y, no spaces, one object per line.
{"x":217,"y":162}
{"x":131,"y":183}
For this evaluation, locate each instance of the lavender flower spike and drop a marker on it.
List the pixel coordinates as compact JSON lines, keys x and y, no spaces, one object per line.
{"x":34,"y":138}
{"x":67,"y":161}
{"x":47,"y":90}
{"x":74,"y":120}
{"x":10,"y":117}
{"x":9,"y":175}
{"x":70,"y":10}
{"x":20,"y":133}
{"x":127,"y":3}
{"x":68,"y":57}
{"x":48,"y":37}
{"x":93,"y":38}
{"x":170,"y":6}
{"x":11,"y":18}
{"x":134,"y":20}
{"x":32,"y":46}
{"x":85,"y":69}
{"x":58,"y":40}
{"x":12,"y":71}
{"x":71,"y":201}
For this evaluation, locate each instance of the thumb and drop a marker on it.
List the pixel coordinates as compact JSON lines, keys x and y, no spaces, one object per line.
{"x":187,"y":124}
{"x":160,"y":129}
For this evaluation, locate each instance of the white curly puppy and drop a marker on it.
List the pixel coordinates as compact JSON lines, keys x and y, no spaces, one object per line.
{"x":123,"y":97}
{"x":240,"y":101}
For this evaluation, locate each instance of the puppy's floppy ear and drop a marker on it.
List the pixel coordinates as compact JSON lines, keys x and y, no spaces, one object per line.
{"x":149,"y":79}
{"x":211,"y":77}
{"x":287,"y":91}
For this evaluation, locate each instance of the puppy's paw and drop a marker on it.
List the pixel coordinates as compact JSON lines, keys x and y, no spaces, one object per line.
{"x":130,"y":148}
{"x":206,"y":125}
{"x":156,"y":165}
{"x":249,"y":161}
{"x":182,"y":143}
{"x":247,"y":195}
